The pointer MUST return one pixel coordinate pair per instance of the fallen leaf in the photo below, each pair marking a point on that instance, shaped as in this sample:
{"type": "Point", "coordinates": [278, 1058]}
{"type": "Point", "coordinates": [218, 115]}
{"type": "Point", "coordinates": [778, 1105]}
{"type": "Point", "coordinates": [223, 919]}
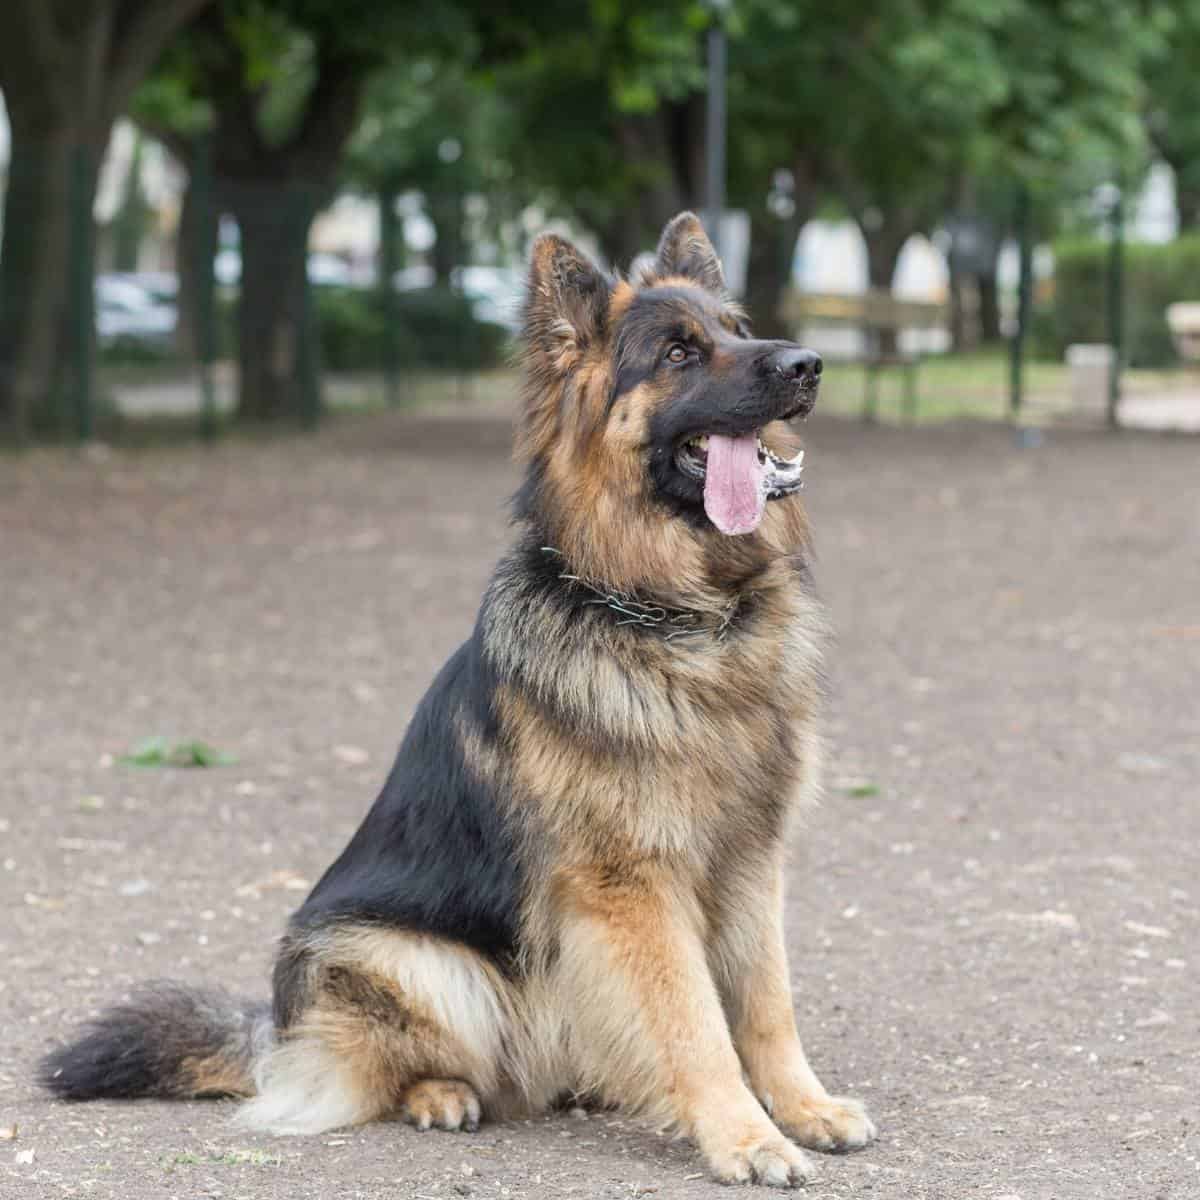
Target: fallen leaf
{"type": "Point", "coordinates": [1142, 764]}
{"type": "Point", "coordinates": [1156, 931]}
{"type": "Point", "coordinates": [1048, 916]}
{"type": "Point", "coordinates": [158, 752]}
{"type": "Point", "coordinates": [288, 880]}
{"type": "Point", "coordinates": [1156, 1017]}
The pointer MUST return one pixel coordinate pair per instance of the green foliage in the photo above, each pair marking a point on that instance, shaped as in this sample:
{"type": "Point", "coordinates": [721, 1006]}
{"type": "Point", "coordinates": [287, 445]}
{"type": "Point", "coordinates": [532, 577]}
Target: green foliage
{"type": "Point", "coordinates": [160, 752]}
{"type": "Point", "coordinates": [433, 327]}
{"type": "Point", "coordinates": [862, 789]}
{"type": "Point", "coordinates": [1173, 102]}
{"type": "Point", "coordinates": [1155, 276]}
{"type": "Point", "coordinates": [890, 101]}
{"type": "Point", "coordinates": [604, 109]}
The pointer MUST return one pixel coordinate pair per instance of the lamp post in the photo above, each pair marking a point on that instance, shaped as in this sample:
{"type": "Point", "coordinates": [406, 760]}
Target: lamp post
{"type": "Point", "coordinates": [714, 124]}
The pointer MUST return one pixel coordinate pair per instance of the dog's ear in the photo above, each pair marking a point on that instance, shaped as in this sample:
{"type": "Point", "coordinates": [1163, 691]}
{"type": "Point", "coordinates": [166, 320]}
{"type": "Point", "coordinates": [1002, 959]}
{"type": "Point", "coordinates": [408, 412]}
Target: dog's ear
{"type": "Point", "coordinates": [566, 304]}
{"type": "Point", "coordinates": [684, 249]}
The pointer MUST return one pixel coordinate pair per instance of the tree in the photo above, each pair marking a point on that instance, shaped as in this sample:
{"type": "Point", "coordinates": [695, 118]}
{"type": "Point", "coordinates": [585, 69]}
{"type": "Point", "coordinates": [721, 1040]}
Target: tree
{"type": "Point", "coordinates": [607, 105]}
{"type": "Point", "coordinates": [1066, 121]}
{"type": "Point", "coordinates": [67, 69]}
{"type": "Point", "coordinates": [1172, 107]}
{"type": "Point", "coordinates": [282, 82]}
{"type": "Point", "coordinates": [275, 161]}
{"type": "Point", "coordinates": [899, 108]}
{"type": "Point", "coordinates": [132, 215]}
{"type": "Point", "coordinates": [170, 108]}
{"type": "Point", "coordinates": [430, 125]}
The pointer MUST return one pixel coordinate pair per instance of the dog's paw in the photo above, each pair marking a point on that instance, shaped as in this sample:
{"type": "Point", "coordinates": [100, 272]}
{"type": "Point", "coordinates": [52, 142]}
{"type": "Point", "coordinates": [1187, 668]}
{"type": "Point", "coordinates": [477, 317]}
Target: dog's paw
{"type": "Point", "coordinates": [446, 1103]}
{"type": "Point", "coordinates": [835, 1123]}
{"type": "Point", "coordinates": [768, 1159]}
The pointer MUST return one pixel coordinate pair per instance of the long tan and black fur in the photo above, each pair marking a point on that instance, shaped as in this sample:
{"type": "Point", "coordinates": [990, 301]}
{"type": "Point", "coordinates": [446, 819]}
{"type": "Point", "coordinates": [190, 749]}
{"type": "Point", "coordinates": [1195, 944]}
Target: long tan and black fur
{"type": "Point", "coordinates": [572, 880]}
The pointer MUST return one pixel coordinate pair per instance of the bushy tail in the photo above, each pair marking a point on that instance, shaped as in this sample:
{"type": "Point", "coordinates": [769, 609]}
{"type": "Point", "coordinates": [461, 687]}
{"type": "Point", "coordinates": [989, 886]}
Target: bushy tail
{"type": "Point", "coordinates": [167, 1041]}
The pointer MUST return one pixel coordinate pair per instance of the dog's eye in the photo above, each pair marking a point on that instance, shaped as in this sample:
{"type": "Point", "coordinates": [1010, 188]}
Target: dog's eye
{"type": "Point", "coordinates": [677, 353]}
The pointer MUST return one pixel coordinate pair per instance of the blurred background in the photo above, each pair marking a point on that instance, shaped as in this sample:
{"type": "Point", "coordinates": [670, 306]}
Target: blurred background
{"type": "Point", "coordinates": [252, 211]}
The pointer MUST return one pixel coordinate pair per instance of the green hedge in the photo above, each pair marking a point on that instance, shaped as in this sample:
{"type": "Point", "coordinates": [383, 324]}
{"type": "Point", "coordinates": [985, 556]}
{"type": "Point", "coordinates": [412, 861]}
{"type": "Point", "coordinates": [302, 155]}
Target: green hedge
{"type": "Point", "coordinates": [1155, 276]}
{"type": "Point", "coordinates": [433, 327]}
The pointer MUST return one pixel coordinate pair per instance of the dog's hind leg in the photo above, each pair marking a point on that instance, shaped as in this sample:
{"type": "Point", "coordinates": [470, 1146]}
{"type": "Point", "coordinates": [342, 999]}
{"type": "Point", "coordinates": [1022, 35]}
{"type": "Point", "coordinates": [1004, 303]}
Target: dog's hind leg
{"type": "Point", "coordinates": [386, 1023]}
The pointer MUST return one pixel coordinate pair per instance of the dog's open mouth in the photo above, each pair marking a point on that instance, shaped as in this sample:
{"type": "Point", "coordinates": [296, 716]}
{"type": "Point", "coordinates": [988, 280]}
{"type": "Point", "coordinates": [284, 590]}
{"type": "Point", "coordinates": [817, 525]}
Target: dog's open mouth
{"type": "Point", "coordinates": [739, 475]}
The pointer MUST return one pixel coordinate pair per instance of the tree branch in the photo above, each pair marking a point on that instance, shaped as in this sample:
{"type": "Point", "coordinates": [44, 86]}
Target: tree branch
{"type": "Point", "coordinates": [330, 114]}
{"type": "Point", "coordinates": [180, 146]}
{"type": "Point", "coordinates": [142, 29]}
{"type": "Point", "coordinates": [29, 44]}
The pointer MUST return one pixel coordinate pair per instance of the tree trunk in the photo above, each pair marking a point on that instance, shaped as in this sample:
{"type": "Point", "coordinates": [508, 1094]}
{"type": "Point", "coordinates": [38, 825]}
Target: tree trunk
{"type": "Point", "coordinates": [1187, 199]}
{"type": "Point", "coordinates": [989, 308]}
{"type": "Point", "coordinates": [769, 271]}
{"type": "Point", "coordinates": [620, 239]}
{"type": "Point", "coordinates": [129, 224]}
{"type": "Point", "coordinates": [34, 267]}
{"type": "Point", "coordinates": [276, 351]}
{"type": "Point", "coordinates": [884, 245]}
{"type": "Point", "coordinates": [275, 191]}
{"type": "Point", "coordinates": [958, 309]}
{"type": "Point", "coordinates": [64, 84]}
{"type": "Point", "coordinates": [883, 253]}
{"type": "Point", "coordinates": [773, 251]}
{"type": "Point", "coordinates": [445, 212]}
{"type": "Point", "coordinates": [185, 272]}
{"type": "Point", "coordinates": [646, 140]}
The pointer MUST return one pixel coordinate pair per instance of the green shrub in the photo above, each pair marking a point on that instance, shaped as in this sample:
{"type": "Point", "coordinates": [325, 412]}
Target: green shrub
{"type": "Point", "coordinates": [351, 328]}
{"type": "Point", "coordinates": [433, 327]}
{"type": "Point", "coordinates": [1154, 276]}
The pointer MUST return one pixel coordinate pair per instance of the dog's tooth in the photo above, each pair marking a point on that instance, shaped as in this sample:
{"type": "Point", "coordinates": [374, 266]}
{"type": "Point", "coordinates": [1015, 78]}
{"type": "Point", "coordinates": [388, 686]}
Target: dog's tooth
{"type": "Point", "coordinates": [702, 441]}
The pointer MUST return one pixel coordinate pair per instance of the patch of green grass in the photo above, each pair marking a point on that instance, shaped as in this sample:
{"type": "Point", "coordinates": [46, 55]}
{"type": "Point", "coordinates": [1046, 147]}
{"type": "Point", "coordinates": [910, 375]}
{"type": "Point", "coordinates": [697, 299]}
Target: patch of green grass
{"type": "Point", "coordinates": [949, 387]}
{"type": "Point", "coordinates": [160, 752]}
{"type": "Point", "coordinates": [860, 791]}
{"type": "Point", "coordinates": [222, 1158]}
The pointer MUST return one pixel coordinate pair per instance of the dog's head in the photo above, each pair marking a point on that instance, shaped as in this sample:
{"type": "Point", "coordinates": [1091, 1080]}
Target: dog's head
{"type": "Point", "coordinates": [651, 418]}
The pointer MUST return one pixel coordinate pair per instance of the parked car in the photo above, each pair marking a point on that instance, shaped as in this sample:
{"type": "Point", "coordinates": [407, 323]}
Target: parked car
{"type": "Point", "coordinates": [324, 270]}
{"type": "Point", "coordinates": [128, 311]}
{"type": "Point", "coordinates": [495, 294]}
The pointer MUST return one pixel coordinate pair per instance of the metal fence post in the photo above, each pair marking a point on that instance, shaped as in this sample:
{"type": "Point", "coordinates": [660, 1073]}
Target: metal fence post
{"type": "Point", "coordinates": [1024, 292]}
{"type": "Point", "coordinates": [714, 125]}
{"type": "Point", "coordinates": [1116, 303]}
{"type": "Point", "coordinates": [310, 346]}
{"type": "Point", "coordinates": [83, 297]}
{"type": "Point", "coordinates": [203, 249]}
{"type": "Point", "coordinates": [388, 231]}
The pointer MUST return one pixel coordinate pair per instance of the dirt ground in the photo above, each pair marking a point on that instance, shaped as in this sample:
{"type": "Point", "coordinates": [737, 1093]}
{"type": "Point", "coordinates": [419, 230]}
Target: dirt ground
{"type": "Point", "coordinates": [993, 918]}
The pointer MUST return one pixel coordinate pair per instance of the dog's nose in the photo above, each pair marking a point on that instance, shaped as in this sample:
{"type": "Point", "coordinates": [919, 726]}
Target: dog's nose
{"type": "Point", "coordinates": [798, 364]}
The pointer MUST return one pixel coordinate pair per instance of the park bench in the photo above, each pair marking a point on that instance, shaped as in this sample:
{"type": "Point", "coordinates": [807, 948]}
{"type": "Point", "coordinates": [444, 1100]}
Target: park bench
{"type": "Point", "coordinates": [1183, 319]}
{"type": "Point", "coordinates": [881, 317]}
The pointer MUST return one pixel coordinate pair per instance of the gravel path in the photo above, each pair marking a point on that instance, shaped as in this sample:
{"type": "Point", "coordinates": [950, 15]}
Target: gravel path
{"type": "Point", "coordinates": [993, 917]}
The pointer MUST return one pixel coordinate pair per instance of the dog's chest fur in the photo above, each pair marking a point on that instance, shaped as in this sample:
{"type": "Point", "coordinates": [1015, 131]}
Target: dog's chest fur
{"type": "Point", "coordinates": [618, 741]}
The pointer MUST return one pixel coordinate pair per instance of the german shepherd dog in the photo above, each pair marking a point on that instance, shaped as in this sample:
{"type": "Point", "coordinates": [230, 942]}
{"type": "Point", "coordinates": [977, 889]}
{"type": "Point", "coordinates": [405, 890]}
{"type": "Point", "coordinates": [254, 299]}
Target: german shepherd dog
{"type": "Point", "coordinates": [571, 883]}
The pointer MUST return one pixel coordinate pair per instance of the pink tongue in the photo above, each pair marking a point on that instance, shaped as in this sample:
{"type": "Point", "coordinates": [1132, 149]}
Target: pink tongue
{"type": "Point", "coordinates": [733, 495]}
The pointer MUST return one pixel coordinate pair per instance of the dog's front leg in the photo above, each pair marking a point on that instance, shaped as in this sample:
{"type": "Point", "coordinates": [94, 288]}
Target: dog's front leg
{"type": "Point", "coordinates": [764, 1030]}
{"type": "Point", "coordinates": [647, 1025]}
